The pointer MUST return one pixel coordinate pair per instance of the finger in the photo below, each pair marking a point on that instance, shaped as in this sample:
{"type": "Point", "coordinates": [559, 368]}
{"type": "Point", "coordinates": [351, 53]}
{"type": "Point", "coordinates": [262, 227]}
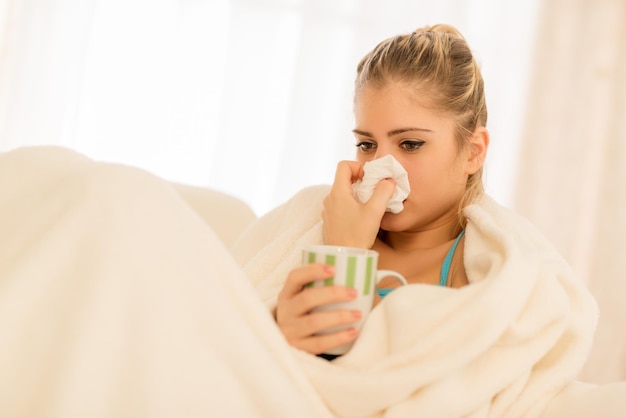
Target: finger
{"type": "Point", "coordinates": [308, 325]}
{"type": "Point", "coordinates": [324, 320]}
{"type": "Point", "coordinates": [319, 344]}
{"type": "Point", "coordinates": [383, 191]}
{"type": "Point", "coordinates": [347, 173]}
{"type": "Point", "coordinates": [305, 274]}
{"type": "Point", "coordinates": [315, 297]}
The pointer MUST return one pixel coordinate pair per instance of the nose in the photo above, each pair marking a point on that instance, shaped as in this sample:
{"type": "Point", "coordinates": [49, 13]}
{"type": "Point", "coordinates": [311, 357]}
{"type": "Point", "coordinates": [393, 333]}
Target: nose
{"type": "Point", "coordinates": [382, 149]}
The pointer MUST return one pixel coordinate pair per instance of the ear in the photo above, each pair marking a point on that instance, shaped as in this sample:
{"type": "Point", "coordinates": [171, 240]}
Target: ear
{"type": "Point", "coordinates": [478, 144]}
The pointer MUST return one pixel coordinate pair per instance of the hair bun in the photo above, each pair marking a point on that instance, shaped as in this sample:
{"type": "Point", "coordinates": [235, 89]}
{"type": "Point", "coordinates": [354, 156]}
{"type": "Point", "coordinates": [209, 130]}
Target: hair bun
{"type": "Point", "coordinates": [439, 28]}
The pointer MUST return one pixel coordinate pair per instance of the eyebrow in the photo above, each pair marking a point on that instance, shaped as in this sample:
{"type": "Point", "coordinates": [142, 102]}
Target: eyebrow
{"type": "Point", "coordinates": [392, 133]}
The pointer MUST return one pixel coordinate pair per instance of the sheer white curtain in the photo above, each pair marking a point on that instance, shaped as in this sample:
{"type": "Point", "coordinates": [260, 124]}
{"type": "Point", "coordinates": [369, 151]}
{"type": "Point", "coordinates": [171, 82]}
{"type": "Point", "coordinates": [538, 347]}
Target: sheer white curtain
{"type": "Point", "coordinates": [252, 97]}
{"type": "Point", "coordinates": [573, 159]}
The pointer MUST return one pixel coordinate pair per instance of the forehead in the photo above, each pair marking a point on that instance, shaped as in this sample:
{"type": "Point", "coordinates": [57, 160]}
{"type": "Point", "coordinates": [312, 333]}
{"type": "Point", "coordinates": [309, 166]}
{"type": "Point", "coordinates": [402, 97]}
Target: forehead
{"type": "Point", "coordinates": [417, 94]}
{"type": "Point", "coordinates": [398, 104]}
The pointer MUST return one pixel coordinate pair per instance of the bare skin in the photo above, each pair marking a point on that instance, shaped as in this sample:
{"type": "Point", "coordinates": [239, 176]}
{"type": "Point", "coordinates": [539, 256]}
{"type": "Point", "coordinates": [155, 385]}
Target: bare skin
{"type": "Point", "coordinates": [415, 241]}
{"type": "Point", "coordinates": [421, 266]}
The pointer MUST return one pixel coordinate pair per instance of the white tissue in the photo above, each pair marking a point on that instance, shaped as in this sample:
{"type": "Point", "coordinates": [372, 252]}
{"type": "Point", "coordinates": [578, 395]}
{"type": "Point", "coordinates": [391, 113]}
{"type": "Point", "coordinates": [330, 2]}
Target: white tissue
{"type": "Point", "coordinates": [377, 170]}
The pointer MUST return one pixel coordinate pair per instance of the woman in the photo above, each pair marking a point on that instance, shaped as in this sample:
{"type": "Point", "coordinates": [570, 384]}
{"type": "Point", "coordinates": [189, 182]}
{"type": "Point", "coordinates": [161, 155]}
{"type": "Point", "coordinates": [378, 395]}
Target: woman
{"type": "Point", "coordinates": [494, 322]}
{"type": "Point", "coordinates": [420, 98]}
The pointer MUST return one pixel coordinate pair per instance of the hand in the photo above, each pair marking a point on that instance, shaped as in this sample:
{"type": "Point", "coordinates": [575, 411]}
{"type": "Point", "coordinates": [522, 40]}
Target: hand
{"type": "Point", "coordinates": [295, 302]}
{"type": "Point", "coordinates": [348, 222]}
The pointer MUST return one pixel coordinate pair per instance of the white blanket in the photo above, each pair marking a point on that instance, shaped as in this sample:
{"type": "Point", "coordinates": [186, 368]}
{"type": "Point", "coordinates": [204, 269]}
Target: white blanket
{"type": "Point", "coordinates": [501, 347]}
{"type": "Point", "coordinates": [117, 300]}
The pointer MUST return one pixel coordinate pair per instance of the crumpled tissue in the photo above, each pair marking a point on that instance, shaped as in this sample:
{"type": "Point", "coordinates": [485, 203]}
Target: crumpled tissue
{"type": "Point", "coordinates": [377, 170]}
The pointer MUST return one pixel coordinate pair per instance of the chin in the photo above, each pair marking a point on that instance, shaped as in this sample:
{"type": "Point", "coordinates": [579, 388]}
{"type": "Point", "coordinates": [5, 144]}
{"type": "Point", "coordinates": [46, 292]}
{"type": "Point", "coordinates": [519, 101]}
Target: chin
{"type": "Point", "coordinates": [391, 221]}
{"type": "Point", "coordinates": [397, 222]}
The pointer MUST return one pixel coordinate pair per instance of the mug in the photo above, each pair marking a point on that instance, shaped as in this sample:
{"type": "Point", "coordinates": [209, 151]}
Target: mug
{"type": "Point", "coordinates": [355, 268]}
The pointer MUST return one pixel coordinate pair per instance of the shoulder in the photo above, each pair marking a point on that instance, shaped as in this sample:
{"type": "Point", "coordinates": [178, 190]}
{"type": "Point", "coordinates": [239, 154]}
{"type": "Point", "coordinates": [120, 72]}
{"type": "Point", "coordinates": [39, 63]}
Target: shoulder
{"type": "Point", "coordinates": [293, 217]}
{"type": "Point", "coordinates": [310, 194]}
{"type": "Point", "coordinates": [497, 229]}
{"type": "Point", "coordinates": [305, 203]}
{"type": "Point", "coordinates": [494, 218]}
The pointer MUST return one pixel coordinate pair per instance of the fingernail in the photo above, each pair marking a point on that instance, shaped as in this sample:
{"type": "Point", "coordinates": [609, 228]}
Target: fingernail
{"type": "Point", "coordinates": [351, 332]}
{"type": "Point", "coordinates": [356, 314]}
{"type": "Point", "coordinates": [329, 270]}
{"type": "Point", "coordinates": [352, 294]}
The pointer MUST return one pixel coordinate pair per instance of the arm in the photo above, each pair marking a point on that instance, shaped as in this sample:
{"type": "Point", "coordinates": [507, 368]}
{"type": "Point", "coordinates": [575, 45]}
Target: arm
{"type": "Point", "coordinates": [345, 222]}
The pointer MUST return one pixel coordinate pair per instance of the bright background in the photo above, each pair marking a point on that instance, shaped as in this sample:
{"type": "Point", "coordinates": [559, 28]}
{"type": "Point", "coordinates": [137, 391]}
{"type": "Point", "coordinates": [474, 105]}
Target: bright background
{"type": "Point", "coordinates": [253, 97]}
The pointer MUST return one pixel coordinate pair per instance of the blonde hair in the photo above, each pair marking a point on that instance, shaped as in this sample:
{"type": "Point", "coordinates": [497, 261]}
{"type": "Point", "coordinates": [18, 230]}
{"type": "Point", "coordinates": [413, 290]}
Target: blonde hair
{"type": "Point", "coordinates": [437, 62]}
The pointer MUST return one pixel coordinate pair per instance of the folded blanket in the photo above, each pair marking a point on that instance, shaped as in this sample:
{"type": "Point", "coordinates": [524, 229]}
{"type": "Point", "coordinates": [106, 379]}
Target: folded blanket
{"type": "Point", "coordinates": [117, 300]}
{"type": "Point", "coordinates": [502, 346]}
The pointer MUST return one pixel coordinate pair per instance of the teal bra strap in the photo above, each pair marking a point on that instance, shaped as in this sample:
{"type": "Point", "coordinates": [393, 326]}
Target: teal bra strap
{"type": "Point", "coordinates": [384, 291]}
{"type": "Point", "coordinates": [445, 268]}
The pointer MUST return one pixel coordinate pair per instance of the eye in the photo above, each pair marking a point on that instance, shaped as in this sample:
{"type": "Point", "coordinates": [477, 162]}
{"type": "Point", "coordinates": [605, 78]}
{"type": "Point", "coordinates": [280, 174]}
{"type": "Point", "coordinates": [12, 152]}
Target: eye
{"type": "Point", "coordinates": [411, 146]}
{"type": "Point", "coordinates": [366, 147]}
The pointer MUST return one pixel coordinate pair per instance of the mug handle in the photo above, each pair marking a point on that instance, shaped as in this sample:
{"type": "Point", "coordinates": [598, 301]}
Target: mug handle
{"type": "Point", "coordinates": [381, 274]}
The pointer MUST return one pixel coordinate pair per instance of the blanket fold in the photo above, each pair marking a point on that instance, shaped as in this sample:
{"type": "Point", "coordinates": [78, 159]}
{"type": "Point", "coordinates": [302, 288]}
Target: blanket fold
{"type": "Point", "coordinates": [117, 300]}
{"type": "Point", "coordinates": [502, 346]}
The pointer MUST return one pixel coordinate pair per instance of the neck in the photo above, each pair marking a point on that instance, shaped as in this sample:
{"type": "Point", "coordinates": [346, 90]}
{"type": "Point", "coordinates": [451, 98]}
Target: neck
{"type": "Point", "coordinates": [432, 237]}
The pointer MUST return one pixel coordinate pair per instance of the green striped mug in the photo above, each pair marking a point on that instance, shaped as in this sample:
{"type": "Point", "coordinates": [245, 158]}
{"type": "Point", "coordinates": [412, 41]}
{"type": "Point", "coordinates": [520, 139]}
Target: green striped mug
{"type": "Point", "coordinates": [355, 268]}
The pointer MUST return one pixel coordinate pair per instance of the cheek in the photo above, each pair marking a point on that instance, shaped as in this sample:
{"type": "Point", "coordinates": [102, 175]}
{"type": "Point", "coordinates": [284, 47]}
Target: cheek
{"type": "Point", "coordinates": [427, 176]}
{"type": "Point", "coordinates": [415, 177]}
{"type": "Point", "coordinates": [363, 158]}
